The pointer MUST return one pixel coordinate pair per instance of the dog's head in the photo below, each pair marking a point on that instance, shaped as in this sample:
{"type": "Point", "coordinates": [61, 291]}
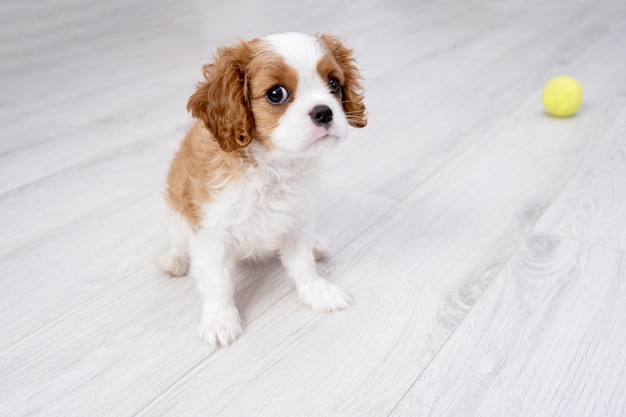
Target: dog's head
{"type": "Point", "coordinates": [295, 94]}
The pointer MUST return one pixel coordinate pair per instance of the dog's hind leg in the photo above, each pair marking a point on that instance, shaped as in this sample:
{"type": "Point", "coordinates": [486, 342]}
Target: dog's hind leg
{"type": "Point", "coordinates": [175, 261]}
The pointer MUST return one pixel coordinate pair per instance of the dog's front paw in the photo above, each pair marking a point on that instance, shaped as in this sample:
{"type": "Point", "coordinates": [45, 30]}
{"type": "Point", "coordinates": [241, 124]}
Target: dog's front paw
{"type": "Point", "coordinates": [323, 296]}
{"type": "Point", "coordinates": [220, 327]}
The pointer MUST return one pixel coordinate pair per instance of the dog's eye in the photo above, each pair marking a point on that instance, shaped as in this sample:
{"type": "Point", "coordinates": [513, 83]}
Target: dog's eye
{"type": "Point", "coordinates": [277, 95]}
{"type": "Point", "coordinates": [334, 85]}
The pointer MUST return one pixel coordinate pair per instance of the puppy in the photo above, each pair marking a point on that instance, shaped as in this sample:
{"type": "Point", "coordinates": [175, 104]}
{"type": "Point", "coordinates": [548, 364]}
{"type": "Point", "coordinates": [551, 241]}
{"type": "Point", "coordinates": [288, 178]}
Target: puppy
{"type": "Point", "coordinates": [240, 185]}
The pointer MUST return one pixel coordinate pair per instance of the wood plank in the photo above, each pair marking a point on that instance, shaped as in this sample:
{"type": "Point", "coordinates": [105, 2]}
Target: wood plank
{"type": "Point", "coordinates": [61, 151]}
{"type": "Point", "coordinates": [43, 206]}
{"type": "Point", "coordinates": [546, 339]}
{"type": "Point", "coordinates": [112, 341]}
{"type": "Point", "coordinates": [62, 269]}
{"type": "Point", "coordinates": [80, 42]}
{"type": "Point", "coordinates": [592, 206]}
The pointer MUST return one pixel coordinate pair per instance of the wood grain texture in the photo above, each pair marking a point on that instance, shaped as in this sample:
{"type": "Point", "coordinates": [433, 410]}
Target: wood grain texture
{"type": "Point", "coordinates": [43, 206]}
{"type": "Point", "coordinates": [592, 207]}
{"type": "Point", "coordinates": [546, 339]}
{"type": "Point", "coordinates": [458, 309]}
{"type": "Point", "coordinates": [147, 118]}
{"type": "Point", "coordinates": [62, 269]}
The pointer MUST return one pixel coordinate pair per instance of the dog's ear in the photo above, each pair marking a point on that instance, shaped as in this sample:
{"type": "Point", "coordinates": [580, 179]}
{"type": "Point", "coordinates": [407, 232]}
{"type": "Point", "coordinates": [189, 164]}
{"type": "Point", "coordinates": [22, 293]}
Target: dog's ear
{"type": "Point", "coordinates": [352, 91]}
{"type": "Point", "coordinates": [222, 100]}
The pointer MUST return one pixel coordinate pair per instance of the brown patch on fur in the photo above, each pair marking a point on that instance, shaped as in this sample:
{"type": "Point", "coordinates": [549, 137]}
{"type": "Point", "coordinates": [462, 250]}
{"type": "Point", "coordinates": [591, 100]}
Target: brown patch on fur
{"type": "Point", "coordinates": [232, 107]}
{"type": "Point", "coordinates": [351, 88]}
{"type": "Point", "coordinates": [221, 101]}
{"type": "Point", "coordinates": [199, 168]}
{"type": "Point", "coordinates": [266, 71]}
{"type": "Point", "coordinates": [328, 68]}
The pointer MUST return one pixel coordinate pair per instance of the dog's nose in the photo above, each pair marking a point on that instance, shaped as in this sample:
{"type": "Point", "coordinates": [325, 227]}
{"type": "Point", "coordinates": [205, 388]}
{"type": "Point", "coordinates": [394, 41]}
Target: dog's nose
{"type": "Point", "coordinates": [321, 115]}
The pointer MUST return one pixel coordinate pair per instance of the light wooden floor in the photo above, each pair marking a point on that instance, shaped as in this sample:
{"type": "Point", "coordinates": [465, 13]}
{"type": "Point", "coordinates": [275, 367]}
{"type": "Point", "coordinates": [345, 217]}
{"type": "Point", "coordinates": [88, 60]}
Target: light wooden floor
{"type": "Point", "coordinates": [484, 242]}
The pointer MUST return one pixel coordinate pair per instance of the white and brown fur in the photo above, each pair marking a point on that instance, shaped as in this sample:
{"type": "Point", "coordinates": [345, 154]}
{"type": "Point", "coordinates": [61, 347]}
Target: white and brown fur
{"type": "Point", "coordinates": [240, 184]}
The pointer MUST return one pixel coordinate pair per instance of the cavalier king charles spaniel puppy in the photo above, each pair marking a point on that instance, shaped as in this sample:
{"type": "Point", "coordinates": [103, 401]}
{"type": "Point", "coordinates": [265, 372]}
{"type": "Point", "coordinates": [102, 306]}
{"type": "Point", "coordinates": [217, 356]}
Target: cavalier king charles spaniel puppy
{"type": "Point", "coordinates": [240, 184]}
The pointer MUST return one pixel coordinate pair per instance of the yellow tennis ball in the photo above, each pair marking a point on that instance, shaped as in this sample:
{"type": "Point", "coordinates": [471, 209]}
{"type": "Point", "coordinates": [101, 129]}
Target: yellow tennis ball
{"type": "Point", "coordinates": [562, 96]}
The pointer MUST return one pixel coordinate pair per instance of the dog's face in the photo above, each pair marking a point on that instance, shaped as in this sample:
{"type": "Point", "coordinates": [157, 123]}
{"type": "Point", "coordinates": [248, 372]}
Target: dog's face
{"type": "Point", "coordinates": [294, 94]}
